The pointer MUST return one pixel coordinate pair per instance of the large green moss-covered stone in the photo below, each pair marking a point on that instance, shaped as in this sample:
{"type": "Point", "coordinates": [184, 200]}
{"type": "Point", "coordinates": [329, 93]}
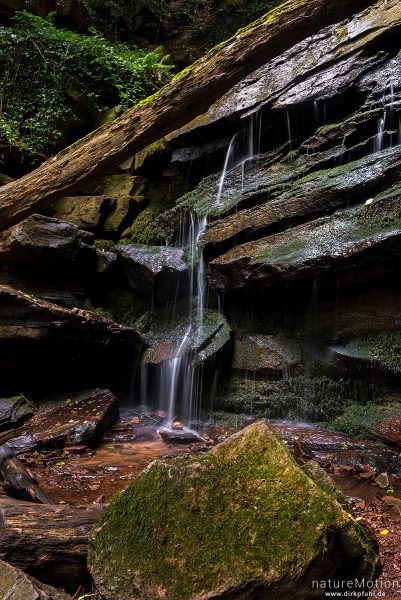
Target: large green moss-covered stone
{"type": "Point", "coordinates": [242, 521]}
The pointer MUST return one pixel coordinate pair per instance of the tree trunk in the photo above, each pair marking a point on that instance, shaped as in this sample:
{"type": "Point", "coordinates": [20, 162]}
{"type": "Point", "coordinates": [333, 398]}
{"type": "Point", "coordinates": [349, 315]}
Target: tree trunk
{"type": "Point", "coordinates": [16, 479]}
{"type": "Point", "coordinates": [187, 96]}
{"type": "Point", "coordinates": [48, 542]}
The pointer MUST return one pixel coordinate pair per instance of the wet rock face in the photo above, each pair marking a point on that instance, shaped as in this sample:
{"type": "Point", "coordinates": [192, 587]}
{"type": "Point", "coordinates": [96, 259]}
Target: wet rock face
{"type": "Point", "coordinates": [201, 503]}
{"type": "Point", "coordinates": [155, 270]}
{"type": "Point", "coordinates": [265, 354]}
{"type": "Point", "coordinates": [16, 585]}
{"type": "Point", "coordinates": [377, 352]}
{"type": "Point", "coordinates": [302, 149]}
{"type": "Point", "coordinates": [80, 418]}
{"type": "Point", "coordinates": [204, 344]}
{"type": "Point", "coordinates": [366, 236]}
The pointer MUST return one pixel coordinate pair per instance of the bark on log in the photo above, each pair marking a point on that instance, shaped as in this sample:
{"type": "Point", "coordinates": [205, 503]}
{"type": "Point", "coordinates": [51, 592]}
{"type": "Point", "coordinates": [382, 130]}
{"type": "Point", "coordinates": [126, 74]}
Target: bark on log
{"type": "Point", "coordinates": [16, 479]}
{"type": "Point", "coordinates": [48, 542]}
{"type": "Point", "coordinates": [187, 96]}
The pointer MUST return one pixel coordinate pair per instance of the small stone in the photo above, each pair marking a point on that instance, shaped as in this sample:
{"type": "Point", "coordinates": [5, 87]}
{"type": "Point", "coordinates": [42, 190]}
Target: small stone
{"type": "Point", "coordinates": [343, 470]}
{"type": "Point", "coordinates": [383, 480]}
{"type": "Point", "coordinates": [391, 501]}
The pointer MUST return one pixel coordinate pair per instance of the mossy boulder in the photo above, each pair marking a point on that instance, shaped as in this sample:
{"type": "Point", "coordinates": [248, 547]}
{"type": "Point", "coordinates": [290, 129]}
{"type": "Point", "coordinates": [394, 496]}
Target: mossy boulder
{"type": "Point", "coordinates": [241, 521]}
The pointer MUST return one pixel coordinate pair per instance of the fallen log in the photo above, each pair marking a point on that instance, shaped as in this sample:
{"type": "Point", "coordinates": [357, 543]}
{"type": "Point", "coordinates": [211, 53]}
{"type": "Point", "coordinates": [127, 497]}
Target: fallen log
{"type": "Point", "coordinates": [187, 96]}
{"type": "Point", "coordinates": [16, 479]}
{"type": "Point", "coordinates": [48, 542]}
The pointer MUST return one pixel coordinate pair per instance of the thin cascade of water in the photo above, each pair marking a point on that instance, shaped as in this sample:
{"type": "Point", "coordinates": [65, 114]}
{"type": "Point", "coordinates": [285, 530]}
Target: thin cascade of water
{"type": "Point", "coordinates": [399, 130]}
{"type": "Point", "coordinates": [381, 125]}
{"type": "Point", "coordinates": [225, 168]}
{"type": "Point", "coordinates": [177, 380]}
{"type": "Point", "coordinates": [253, 142]}
{"type": "Point", "coordinates": [288, 123]}
{"type": "Point", "coordinates": [316, 114]}
{"type": "Point", "coordinates": [386, 119]}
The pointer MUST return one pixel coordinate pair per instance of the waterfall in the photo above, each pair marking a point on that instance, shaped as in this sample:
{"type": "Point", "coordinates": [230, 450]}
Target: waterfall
{"type": "Point", "coordinates": [225, 169]}
{"type": "Point", "coordinates": [387, 118]}
{"type": "Point", "coordinates": [176, 382]}
{"type": "Point", "coordinates": [316, 114]}
{"type": "Point", "coordinates": [288, 123]}
{"type": "Point", "coordinates": [252, 135]}
{"type": "Point", "coordinates": [381, 124]}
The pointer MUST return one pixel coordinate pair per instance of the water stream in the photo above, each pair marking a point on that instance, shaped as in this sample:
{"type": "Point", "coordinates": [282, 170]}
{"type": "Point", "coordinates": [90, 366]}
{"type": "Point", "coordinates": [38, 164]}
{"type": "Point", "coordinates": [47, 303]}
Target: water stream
{"type": "Point", "coordinates": [386, 121]}
{"type": "Point", "coordinates": [177, 382]}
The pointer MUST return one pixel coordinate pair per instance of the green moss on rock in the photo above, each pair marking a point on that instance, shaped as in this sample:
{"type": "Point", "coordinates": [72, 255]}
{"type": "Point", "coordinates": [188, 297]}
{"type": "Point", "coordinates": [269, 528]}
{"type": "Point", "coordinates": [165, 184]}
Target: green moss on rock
{"type": "Point", "coordinates": [317, 399]}
{"type": "Point", "coordinates": [192, 526]}
{"type": "Point", "coordinates": [148, 227]}
{"type": "Point", "coordinates": [382, 348]}
{"type": "Point", "coordinates": [362, 420]}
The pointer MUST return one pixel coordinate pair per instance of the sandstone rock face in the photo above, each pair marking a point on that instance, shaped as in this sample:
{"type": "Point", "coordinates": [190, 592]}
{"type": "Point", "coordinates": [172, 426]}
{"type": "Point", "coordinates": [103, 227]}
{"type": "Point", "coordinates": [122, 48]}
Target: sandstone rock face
{"type": "Point", "coordinates": [155, 270]}
{"type": "Point", "coordinates": [15, 585]}
{"type": "Point", "coordinates": [265, 354]}
{"type": "Point", "coordinates": [337, 242]}
{"type": "Point", "coordinates": [43, 242]}
{"type": "Point", "coordinates": [215, 527]}
{"type": "Point", "coordinates": [295, 157]}
{"type": "Point", "coordinates": [377, 352]}
{"type": "Point", "coordinates": [86, 212]}
{"type": "Point", "coordinates": [203, 345]}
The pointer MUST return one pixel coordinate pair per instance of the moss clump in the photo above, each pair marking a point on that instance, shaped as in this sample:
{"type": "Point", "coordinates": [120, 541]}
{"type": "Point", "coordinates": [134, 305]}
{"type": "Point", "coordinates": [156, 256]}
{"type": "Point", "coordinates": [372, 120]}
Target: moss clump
{"type": "Point", "coordinates": [233, 517]}
{"type": "Point", "coordinates": [382, 348]}
{"type": "Point", "coordinates": [286, 253]}
{"type": "Point", "coordinates": [383, 214]}
{"type": "Point", "coordinates": [361, 420]}
{"type": "Point", "coordinates": [148, 228]}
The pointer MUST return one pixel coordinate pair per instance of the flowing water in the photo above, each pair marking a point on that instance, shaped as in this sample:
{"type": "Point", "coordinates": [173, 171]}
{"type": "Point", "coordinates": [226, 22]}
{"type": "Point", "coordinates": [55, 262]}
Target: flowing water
{"type": "Point", "coordinates": [177, 382]}
{"type": "Point", "coordinates": [387, 120]}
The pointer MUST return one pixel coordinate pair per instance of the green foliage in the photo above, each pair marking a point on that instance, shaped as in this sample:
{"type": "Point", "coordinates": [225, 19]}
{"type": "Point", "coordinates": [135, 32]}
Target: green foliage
{"type": "Point", "coordinates": [53, 80]}
{"type": "Point", "coordinates": [208, 23]}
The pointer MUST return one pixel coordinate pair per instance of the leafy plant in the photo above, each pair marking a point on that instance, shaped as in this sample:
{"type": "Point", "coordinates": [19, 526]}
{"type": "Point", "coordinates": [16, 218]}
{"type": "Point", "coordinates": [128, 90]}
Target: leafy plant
{"type": "Point", "coordinates": [55, 83]}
